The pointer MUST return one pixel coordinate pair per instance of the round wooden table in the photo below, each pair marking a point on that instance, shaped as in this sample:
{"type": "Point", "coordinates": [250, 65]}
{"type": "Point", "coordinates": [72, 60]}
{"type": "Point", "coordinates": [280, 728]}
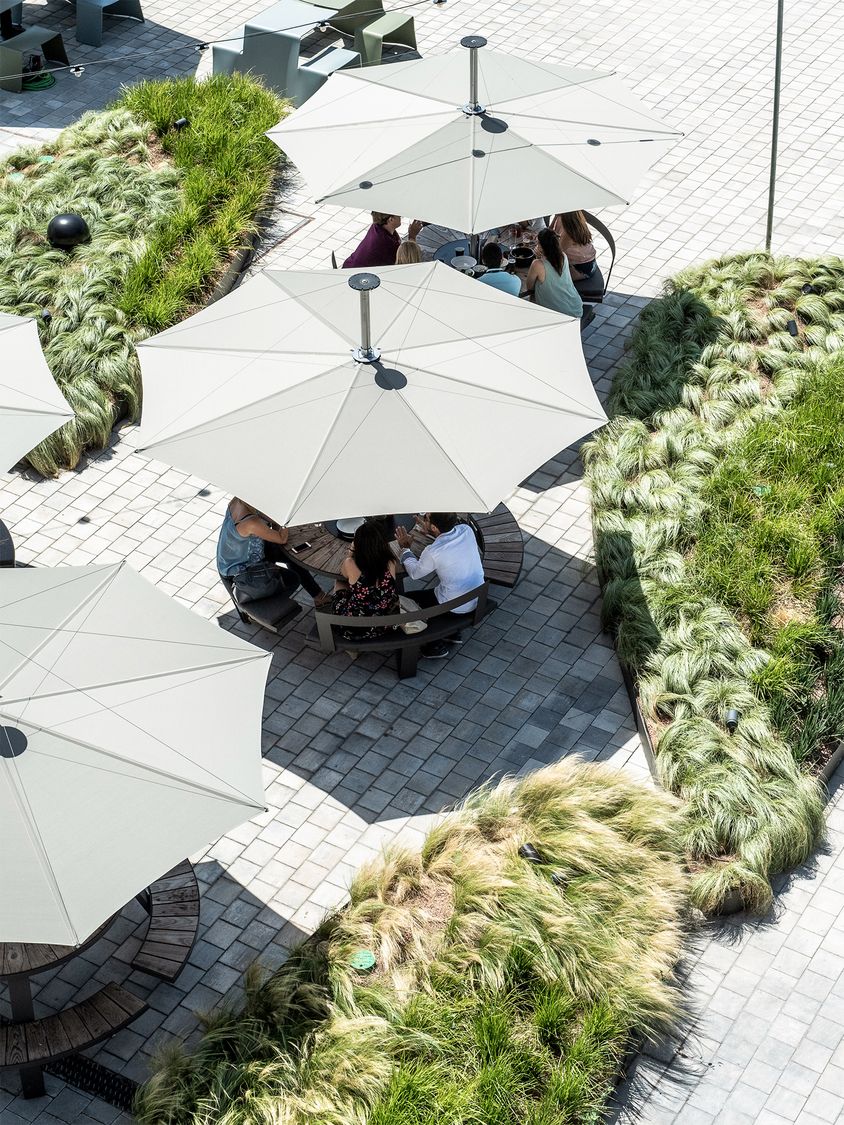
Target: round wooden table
{"type": "Point", "coordinates": [328, 550]}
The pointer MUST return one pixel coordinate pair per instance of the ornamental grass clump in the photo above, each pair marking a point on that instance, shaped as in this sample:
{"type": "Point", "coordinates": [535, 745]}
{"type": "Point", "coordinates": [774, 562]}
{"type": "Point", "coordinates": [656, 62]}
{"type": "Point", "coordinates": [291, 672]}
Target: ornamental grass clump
{"type": "Point", "coordinates": [498, 995]}
{"type": "Point", "coordinates": [717, 511]}
{"type": "Point", "coordinates": [166, 210]}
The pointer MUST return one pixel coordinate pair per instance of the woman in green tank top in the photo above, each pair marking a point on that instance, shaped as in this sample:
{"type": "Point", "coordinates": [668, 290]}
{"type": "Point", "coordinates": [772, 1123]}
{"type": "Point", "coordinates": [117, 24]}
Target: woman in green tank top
{"type": "Point", "coordinates": [549, 278]}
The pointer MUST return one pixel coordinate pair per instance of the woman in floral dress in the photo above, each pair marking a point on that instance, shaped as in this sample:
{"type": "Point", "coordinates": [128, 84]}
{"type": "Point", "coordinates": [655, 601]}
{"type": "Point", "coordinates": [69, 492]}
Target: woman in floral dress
{"type": "Point", "coordinates": [367, 586]}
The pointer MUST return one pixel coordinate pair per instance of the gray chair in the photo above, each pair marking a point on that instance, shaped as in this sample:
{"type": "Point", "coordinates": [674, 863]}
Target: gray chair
{"type": "Point", "coordinates": [315, 72]}
{"type": "Point", "coordinates": [270, 44]}
{"type": "Point", "coordinates": [89, 17]}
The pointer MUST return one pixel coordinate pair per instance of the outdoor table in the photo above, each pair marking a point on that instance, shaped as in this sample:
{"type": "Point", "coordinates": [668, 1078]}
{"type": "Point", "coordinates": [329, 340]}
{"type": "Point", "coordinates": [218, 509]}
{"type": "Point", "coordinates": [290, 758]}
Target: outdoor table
{"type": "Point", "coordinates": [328, 550]}
{"type": "Point", "coordinates": [449, 250]}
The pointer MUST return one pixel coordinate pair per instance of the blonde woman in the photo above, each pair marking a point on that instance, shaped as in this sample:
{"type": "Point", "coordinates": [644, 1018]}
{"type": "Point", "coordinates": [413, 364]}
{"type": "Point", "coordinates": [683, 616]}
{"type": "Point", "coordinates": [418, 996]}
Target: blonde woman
{"type": "Point", "coordinates": [408, 254]}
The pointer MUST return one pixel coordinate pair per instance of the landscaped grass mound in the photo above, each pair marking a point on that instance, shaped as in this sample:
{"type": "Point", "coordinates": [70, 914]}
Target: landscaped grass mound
{"type": "Point", "coordinates": [498, 995]}
{"type": "Point", "coordinates": [717, 508]}
{"type": "Point", "coordinates": [166, 208]}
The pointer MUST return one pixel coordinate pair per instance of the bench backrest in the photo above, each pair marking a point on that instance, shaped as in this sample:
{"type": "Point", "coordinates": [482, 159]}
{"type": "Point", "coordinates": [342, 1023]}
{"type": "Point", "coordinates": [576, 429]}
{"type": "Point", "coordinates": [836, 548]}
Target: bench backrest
{"type": "Point", "coordinates": [602, 228]}
{"type": "Point", "coordinates": [326, 621]}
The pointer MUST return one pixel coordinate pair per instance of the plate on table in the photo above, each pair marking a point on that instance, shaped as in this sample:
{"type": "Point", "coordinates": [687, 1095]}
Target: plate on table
{"type": "Point", "coordinates": [346, 528]}
{"type": "Point", "coordinates": [522, 254]}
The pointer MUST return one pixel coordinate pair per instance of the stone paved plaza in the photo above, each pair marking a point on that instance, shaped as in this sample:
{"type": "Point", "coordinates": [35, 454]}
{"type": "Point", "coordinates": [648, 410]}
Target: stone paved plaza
{"type": "Point", "coordinates": [355, 758]}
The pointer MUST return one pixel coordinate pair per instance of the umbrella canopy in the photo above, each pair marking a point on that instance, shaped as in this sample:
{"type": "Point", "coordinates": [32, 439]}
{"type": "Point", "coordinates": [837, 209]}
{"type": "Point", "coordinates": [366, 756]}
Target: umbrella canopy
{"type": "Point", "coordinates": [31, 405]}
{"type": "Point", "coordinates": [467, 390]}
{"type": "Point", "coordinates": [473, 140]}
{"type": "Point", "coordinates": [129, 738]}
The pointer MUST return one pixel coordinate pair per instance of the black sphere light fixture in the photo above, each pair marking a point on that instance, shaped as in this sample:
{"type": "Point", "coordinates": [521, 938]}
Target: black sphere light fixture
{"type": "Point", "coordinates": [66, 231]}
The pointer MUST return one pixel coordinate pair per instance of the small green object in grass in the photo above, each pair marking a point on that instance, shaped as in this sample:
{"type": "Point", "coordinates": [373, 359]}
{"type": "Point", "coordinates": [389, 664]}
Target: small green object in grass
{"type": "Point", "coordinates": [46, 159]}
{"type": "Point", "coordinates": [16, 176]}
{"type": "Point", "coordinates": [762, 489]}
{"type": "Point", "coordinates": [363, 961]}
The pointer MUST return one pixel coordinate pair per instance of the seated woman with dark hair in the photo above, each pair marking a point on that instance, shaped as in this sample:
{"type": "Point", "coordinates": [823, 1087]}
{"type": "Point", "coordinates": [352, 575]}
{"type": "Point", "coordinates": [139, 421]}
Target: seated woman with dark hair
{"type": "Point", "coordinates": [367, 586]}
{"type": "Point", "coordinates": [549, 279]}
{"type": "Point", "coordinates": [576, 243]}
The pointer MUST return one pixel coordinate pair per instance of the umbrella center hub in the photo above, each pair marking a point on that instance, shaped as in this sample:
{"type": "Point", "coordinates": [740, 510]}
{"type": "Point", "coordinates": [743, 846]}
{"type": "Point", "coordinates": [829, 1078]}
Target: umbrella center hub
{"type": "Point", "coordinates": [13, 742]}
{"type": "Point", "coordinates": [474, 110]}
{"type": "Point", "coordinates": [366, 355]}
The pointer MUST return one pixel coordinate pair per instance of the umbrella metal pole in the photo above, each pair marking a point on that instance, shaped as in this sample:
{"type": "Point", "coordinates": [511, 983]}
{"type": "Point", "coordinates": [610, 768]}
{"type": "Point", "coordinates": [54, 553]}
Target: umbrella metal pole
{"type": "Point", "coordinates": [772, 186]}
{"type": "Point", "coordinates": [363, 284]}
{"type": "Point", "coordinates": [474, 43]}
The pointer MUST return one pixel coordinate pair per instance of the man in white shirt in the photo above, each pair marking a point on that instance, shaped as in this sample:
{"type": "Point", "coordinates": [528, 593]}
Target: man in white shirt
{"type": "Point", "coordinates": [454, 558]}
{"type": "Point", "coordinates": [495, 276]}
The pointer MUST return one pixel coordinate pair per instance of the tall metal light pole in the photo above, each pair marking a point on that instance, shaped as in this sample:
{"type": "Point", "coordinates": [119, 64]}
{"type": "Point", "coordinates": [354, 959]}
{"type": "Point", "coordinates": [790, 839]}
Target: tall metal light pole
{"type": "Point", "coordinates": [775, 126]}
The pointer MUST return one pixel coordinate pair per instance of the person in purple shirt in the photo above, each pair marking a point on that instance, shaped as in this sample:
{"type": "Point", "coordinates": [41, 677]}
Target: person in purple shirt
{"type": "Point", "coordinates": [380, 242]}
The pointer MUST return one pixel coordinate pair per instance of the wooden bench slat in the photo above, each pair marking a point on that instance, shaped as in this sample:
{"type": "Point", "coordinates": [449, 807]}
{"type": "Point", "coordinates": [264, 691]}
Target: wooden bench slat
{"type": "Point", "coordinates": [166, 950]}
{"type": "Point", "coordinates": [182, 894]}
{"type": "Point", "coordinates": [162, 936]}
{"type": "Point", "coordinates": [37, 1045]}
{"type": "Point", "coordinates": [170, 883]}
{"type": "Point", "coordinates": [106, 1004]}
{"type": "Point", "coordinates": [58, 1041]}
{"type": "Point", "coordinates": [158, 966]}
{"type": "Point", "coordinates": [170, 921]}
{"type": "Point", "coordinates": [73, 1027]}
{"type": "Point", "coordinates": [15, 1053]}
{"type": "Point", "coordinates": [183, 909]}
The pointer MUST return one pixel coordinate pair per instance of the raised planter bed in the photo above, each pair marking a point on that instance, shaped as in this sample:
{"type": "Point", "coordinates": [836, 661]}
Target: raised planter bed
{"type": "Point", "coordinates": [717, 369]}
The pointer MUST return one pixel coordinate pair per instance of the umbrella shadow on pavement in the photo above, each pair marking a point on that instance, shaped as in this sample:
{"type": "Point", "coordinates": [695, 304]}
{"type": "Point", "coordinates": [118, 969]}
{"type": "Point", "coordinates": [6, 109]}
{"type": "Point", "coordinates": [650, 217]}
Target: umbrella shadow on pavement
{"type": "Point", "coordinates": [349, 744]}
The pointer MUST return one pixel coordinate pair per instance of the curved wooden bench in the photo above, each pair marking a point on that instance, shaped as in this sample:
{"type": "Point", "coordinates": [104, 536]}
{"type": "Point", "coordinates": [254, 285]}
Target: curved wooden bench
{"type": "Point", "coordinates": [502, 547]}
{"type": "Point", "coordinates": [173, 905]}
{"type": "Point", "coordinates": [441, 625]}
{"type": "Point", "coordinates": [28, 1046]}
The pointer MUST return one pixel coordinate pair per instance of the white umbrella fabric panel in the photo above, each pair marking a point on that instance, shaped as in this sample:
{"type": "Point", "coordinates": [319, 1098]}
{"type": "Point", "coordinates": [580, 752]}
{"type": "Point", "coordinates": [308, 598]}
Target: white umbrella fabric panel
{"type": "Point", "coordinates": [260, 393]}
{"type": "Point", "coordinates": [129, 738]}
{"type": "Point", "coordinates": [396, 138]}
{"type": "Point", "coordinates": [31, 405]}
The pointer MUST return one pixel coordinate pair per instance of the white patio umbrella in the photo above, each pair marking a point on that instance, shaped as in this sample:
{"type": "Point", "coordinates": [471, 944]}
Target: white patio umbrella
{"type": "Point", "coordinates": [31, 405]}
{"type": "Point", "coordinates": [473, 141]}
{"type": "Point", "coordinates": [458, 393]}
{"type": "Point", "coordinates": [129, 738]}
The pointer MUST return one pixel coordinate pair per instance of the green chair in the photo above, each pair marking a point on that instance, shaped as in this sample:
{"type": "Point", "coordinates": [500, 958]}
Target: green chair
{"type": "Point", "coordinates": [392, 27]}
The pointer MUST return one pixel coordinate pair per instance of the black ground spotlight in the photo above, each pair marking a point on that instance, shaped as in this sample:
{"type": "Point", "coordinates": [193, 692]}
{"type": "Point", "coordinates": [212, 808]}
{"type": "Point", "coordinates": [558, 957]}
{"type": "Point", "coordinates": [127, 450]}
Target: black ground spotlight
{"type": "Point", "coordinates": [732, 720]}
